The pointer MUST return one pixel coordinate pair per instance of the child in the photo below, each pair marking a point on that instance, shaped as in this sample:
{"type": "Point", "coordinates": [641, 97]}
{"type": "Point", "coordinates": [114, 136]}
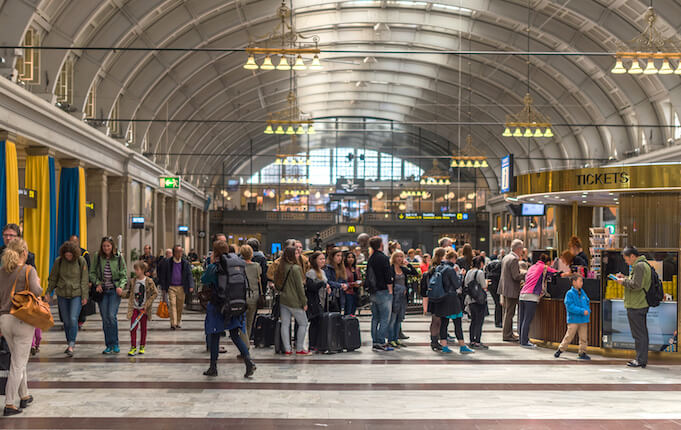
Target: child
{"type": "Point", "coordinates": [577, 306]}
{"type": "Point", "coordinates": [141, 294]}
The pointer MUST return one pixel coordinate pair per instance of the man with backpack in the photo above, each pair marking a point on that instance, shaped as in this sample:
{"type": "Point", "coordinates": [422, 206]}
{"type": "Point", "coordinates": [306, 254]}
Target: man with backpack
{"type": "Point", "coordinates": [493, 275]}
{"type": "Point", "coordinates": [636, 288]}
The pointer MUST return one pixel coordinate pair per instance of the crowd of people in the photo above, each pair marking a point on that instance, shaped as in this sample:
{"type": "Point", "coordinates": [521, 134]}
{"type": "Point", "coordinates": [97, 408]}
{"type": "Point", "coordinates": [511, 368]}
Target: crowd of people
{"type": "Point", "coordinates": [453, 284]}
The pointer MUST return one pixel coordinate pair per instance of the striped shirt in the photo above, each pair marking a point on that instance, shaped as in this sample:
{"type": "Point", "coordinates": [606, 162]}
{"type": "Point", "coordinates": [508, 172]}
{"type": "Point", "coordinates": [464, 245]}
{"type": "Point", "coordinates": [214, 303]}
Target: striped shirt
{"type": "Point", "coordinates": [108, 277]}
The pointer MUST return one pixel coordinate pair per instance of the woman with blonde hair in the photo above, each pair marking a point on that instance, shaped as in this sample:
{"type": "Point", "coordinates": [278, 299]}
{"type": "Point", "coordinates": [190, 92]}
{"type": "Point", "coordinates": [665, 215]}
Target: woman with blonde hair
{"type": "Point", "coordinates": [16, 275]}
{"type": "Point", "coordinates": [401, 270]}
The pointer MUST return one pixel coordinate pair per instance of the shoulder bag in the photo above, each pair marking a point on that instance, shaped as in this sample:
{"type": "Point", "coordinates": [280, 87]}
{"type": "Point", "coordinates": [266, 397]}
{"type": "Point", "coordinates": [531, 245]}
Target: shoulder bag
{"type": "Point", "coordinates": [29, 308]}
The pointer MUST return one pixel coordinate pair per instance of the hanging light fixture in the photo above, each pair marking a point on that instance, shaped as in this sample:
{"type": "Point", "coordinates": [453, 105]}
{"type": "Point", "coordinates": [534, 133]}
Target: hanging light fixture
{"type": "Point", "coordinates": [469, 156]}
{"type": "Point", "coordinates": [300, 130]}
{"type": "Point", "coordinates": [280, 130]}
{"type": "Point", "coordinates": [289, 121]}
{"type": "Point", "coordinates": [529, 119]}
{"type": "Point", "coordinates": [648, 46]}
{"type": "Point", "coordinates": [435, 176]}
{"type": "Point", "coordinates": [507, 132]}
{"type": "Point", "coordinates": [289, 42]}
{"type": "Point", "coordinates": [268, 129]}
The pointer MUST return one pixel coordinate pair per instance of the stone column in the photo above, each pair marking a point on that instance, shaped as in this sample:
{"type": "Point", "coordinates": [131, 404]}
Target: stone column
{"type": "Point", "coordinates": [96, 185]}
{"type": "Point", "coordinates": [118, 211]}
{"type": "Point", "coordinates": [160, 222]}
{"type": "Point", "coordinates": [171, 221]}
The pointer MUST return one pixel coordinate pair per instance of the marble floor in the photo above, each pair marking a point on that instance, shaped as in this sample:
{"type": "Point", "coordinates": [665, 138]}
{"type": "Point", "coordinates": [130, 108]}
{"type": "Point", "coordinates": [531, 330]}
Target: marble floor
{"type": "Point", "coordinates": [506, 387]}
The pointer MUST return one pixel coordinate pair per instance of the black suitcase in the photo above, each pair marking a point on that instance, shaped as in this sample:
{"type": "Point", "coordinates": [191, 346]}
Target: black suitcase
{"type": "Point", "coordinates": [5, 360]}
{"type": "Point", "coordinates": [263, 332]}
{"type": "Point", "coordinates": [330, 333]}
{"type": "Point", "coordinates": [352, 339]}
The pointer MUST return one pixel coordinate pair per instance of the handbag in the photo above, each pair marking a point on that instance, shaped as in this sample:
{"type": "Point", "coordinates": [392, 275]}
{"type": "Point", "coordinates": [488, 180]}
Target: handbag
{"type": "Point", "coordinates": [29, 308]}
{"type": "Point", "coordinates": [162, 310]}
{"type": "Point", "coordinates": [276, 306]}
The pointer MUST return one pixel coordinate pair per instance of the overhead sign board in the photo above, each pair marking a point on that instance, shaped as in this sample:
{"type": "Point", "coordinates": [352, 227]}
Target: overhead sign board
{"type": "Point", "coordinates": [506, 177]}
{"type": "Point", "coordinates": [447, 216]}
{"type": "Point", "coordinates": [137, 222]}
{"type": "Point", "coordinates": [170, 182]}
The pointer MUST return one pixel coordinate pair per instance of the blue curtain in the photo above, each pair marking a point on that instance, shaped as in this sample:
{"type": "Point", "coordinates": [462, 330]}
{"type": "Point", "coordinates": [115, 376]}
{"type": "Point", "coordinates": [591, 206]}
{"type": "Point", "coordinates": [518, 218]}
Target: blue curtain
{"type": "Point", "coordinates": [54, 246]}
{"type": "Point", "coordinates": [69, 214]}
{"type": "Point", "coordinates": [3, 190]}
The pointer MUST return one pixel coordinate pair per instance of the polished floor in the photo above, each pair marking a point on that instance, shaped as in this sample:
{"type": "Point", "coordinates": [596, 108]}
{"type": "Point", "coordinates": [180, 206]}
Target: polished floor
{"type": "Point", "coordinates": [506, 387]}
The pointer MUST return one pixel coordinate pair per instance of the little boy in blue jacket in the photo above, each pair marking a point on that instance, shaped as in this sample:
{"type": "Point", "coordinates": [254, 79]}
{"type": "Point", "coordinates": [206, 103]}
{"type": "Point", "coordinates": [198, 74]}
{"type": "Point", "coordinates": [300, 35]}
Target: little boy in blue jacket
{"type": "Point", "coordinates": [577, 306]}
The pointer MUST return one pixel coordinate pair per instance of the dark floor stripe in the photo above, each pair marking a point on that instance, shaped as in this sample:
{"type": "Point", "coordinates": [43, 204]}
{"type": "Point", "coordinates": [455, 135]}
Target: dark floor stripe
{"type": "Point", "coordinates": [454, 360]}
{"type": "Point", "coordinates": [304, 386]}
{"type": "Point", "coordinates": [298, 424]}
{"type": "Point", "coordinates": [200, 342]}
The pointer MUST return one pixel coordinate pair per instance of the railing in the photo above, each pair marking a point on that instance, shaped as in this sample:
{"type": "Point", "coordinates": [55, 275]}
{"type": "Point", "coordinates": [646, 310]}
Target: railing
{"type": "Point", "coordinates": [327, 217]}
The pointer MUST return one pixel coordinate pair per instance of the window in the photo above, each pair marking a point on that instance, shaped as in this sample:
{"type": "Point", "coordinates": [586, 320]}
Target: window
{"type": "Point", "coordinates": [344, 162]}
{"type": "Point", "coordinates": [64, 90]}
{"type": "Point", "coordinates": [114, 127]}
{"type": "Point", "coordinates": [411, 169]}
{"type": "Point", "coordinates": [320, 167]}
{"type": "Point", "coordinates": [90, 109]}
{"type": "Point", "coordinates": [28, 65]}
{"type": "Point", "coordinates": [391, 167]}
{"type": "Point", "coordinates": [368, 167]}
{"type": "Point", "coordinates": [677, 127]}
{"type": "Point", "coordinates": [130, 134]}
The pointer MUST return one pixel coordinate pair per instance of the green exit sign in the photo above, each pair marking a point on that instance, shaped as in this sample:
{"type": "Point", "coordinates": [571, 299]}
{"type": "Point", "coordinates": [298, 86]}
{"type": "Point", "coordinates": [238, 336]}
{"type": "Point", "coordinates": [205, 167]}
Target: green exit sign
{"type": "Point", "coordinates": [170, 182]}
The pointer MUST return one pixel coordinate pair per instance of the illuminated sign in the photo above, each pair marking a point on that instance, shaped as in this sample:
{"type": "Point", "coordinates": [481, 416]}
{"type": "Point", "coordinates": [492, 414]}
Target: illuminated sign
{"type": "Point", "coordinates": [456, 216]}
{"type": "Point", "coordinates": [352, 229]}
{"type": "Point", "coordinates": [183, 230]}
{"type": "Point", "coordinates": [506, 174]}
{"type": "Point", "coordinates": [170, 182]}
{"type": "Point", "coordinates": [28, 198]}
{"type": "Point", "coordinates": [137, 222]}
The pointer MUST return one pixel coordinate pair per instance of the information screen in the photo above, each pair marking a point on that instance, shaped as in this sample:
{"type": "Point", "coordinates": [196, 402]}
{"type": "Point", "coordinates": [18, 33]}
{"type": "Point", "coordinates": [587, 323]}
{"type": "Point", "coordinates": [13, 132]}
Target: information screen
{"type": "Point", "coordinates": [533, 209]}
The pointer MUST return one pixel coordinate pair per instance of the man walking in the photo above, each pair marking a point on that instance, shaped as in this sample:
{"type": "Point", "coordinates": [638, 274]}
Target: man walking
{"type": "Point", "coordinates": [177, 281]}
{"type": "Point", "coordinates": [381, 290]}
{"type": "Point", "coordinates": [509, 287]}
{"type": "Point", "coordinates": [635, 287]}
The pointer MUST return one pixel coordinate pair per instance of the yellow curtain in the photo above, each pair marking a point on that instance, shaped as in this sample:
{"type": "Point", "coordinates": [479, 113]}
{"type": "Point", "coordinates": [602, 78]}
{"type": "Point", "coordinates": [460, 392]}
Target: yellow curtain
{"type": "Point", "coordinates": [37, 220]}
{"type": "Point", "coordinates": [12, 176]}
{"type": "Point", "coordinates": [82, 213]}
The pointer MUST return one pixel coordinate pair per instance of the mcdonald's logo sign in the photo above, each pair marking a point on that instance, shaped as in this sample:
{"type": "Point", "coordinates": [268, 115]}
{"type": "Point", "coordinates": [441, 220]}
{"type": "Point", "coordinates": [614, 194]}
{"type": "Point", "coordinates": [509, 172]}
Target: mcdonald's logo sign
{"type": "Point", "coordinates": [352, 229]}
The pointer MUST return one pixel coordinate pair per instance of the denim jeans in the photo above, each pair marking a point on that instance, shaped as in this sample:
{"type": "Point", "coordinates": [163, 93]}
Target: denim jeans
{"type": "Point", "coordinates": [108, 308]}
{"type": "Point", "coordinates": [70, 310]}
{"type": "Point", "coordinates": [350, 305]}
{"type": "Point", "coordinates": [301, 319]}
{"type": "Point", "coordinates": [381, 308]}
{"type": "Point", "coordinates": [214, 344]}
{"type": "Point", "coordinates": [399, 310]}
{"type": "Point", "coordinates": [526, 311]}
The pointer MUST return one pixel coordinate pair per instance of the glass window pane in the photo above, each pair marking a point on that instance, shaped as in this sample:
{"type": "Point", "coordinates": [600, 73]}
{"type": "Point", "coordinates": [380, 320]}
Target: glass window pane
{"type": "Point", "coordinates": [320, 167]}
{"type": "Point", "coordinates": [367, 168]}
{"type": "Point", "coordinates": [344, 163]}
{"type": "Point", "coordinates": [411, 169]}
{"type": "Point", "coordinates": [391, 167]}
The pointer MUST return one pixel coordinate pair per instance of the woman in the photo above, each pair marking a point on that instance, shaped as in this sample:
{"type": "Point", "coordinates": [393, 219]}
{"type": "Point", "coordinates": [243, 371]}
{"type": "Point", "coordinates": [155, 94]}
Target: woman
{"type": "Point", "coordinates": [288, 280]}
{"type": "Point", "coordinates": [215, 323]}
{"type": "Point", "coordinates": [449, 307]}
{"type": "Point", "coordinates": [254, 275]}
{"type": "Point", "coordinates": [316, 290]}
{"type": "Point", "coordinates": [563, 263]}
{"type": "Point", "coordinates": [336, 276]}
{"type": "Point", "coordinates": [109, 276]}
{"type": "Point", "coordinates": [476, 310]}
{"type": "Point", "coordinates": [465, 262]}
{"type": "Point", "coordinates": [411, 254]}
{"type": "Point", "coordinates": [401, 270]}
{"type": "Point", "coordinates": [69, 277]}
{"type": "Point", "coordinates": [533, 290]}
{"type": "Point", "coordinates": [575, 247]}
{"type": "Point", "coordinates": [425, 265]}
{"type": "Point", "coordinates": [354, 281]}
{"type": "Point", "coordinates": [13, 277]}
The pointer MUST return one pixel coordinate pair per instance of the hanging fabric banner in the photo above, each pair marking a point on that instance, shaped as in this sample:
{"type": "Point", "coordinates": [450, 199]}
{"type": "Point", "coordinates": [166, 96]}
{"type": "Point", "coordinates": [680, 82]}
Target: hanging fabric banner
{"type": "Point", "coordinates": [82, 202]}
{"type": "Point", "coordinates": [9, 185]}
{"type": "Point", "coordinates": [68, 222]}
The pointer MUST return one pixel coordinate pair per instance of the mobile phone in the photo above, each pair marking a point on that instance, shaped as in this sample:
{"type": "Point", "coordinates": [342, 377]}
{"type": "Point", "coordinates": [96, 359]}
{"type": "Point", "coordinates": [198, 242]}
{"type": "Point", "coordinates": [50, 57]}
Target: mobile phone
{"type": "Point", "coordinates": [613, 277]}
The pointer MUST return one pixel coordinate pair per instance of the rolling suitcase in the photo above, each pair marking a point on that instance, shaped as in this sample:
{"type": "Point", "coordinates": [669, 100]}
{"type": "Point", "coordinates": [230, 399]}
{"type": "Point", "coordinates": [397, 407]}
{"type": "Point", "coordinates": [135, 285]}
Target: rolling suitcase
{"type": "Point", "coordinates": [352, 339]}
{"type": "Point", "coordinates": [5, 360]}
{"type": "Point", "coordinates": [330, 337]}
{"type": "Point", "coordinates": [263, 333]}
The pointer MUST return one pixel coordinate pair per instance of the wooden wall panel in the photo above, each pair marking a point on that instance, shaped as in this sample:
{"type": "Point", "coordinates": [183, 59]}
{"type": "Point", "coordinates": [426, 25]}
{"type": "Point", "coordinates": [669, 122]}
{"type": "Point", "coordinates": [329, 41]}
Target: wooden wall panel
{"type": "Point", "coordinates": [550, 322]}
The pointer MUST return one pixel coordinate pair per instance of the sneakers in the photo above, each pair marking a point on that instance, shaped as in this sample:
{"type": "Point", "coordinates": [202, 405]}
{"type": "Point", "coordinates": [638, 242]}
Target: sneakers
{"type": "Point", "coordinates": [303, 352]}
{"type": "Point", "coordinates": [463, 349]}
{"type": "Point", "coordinates": [557, 353]}
{"type": "Point", "coordinates": [288, 353]}
{"type": "Point", "coordinates": [403, 336]}
{"type": "Point", "coordinates": [108, 351]}
{"type": "Point", "coordinates": [452, 340]}
{"type": "Point", "coordinates": [446, 350]}
{"type": "Point", "coordinates": [394, 344]}
{"type": "Point", "coordinates": [529, 345]}
{"type": "Point", "coordinates": [635, 363]}
{"type": "Point", "coordinates": [401, 344]}
{"type": "Point", "coordinates": [583, 356]}
{"type": "Point", "coordinates": [478, 345]}
{"type": "Point", "coordinates": [69, 352]}
{"type": "Point", "coordinates": [378, 347]}
{"type": "Point", "coordinates": [141, 350]}
{"type": "Point", "coordinates": [116, 349]}
{"type": "Point", "coordinates": [388, 348]}
{"type": "Point", "coordinates": [132, 352]}
{"type": "Point", "coordinates": [34, 350]}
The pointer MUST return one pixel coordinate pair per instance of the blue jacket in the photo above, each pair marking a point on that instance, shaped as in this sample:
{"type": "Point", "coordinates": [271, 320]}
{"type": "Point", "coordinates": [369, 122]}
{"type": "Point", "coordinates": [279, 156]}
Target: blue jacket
{"type": "Point", "coordinates": [576, 302]}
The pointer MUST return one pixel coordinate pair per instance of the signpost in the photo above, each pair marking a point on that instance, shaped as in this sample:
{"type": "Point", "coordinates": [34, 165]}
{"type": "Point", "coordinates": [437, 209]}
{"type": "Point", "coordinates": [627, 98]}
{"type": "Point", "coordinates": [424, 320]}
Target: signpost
{"type": "Point", "coordinates": [170, 182]}
{"type": "Point", "coordinates": [507, 174]}
{"type": "Point", "coordinates": [455, 216]}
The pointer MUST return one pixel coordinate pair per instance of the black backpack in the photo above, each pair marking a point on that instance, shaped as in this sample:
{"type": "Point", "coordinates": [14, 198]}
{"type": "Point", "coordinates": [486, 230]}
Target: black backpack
{"type": "Point", "coordinates": [232, 286]}
{"type": "Point", "coordinates": [476, 291]}
{"type": "Point", "coordinates": [655, 293]}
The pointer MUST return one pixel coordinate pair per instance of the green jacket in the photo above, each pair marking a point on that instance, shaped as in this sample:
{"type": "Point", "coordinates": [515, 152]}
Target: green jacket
{"type": "Point", "coordinates": [292, 293]}
{"type": "Point", "coordinates": [69, 278]}
{"type": "Point", "coordinates": [118, 270]}
{"type": "Point", "coordinates": [636, 285]}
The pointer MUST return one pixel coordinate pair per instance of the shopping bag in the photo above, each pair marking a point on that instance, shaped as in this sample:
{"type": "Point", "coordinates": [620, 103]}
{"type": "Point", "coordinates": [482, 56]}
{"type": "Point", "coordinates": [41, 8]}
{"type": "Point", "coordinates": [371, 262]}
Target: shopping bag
{"type": "Point", "coordinates": [162, 311]}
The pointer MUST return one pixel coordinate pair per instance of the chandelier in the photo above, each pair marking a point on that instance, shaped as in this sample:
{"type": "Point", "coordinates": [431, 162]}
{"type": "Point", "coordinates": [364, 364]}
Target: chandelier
{"type": "Point", "coordinates": [435, 176]}
{"type": "Point", "coordinates": [529, 122]}
{"type": "Point", "coordinates": [292, 47]}
{"type": "Point", "coordinates": [648, 46]}
{"type": "Point", "coordinates": [469, 157]}
{"type": "Point", "coordinates": [291, 160]}
{"type": "Point", "coordinates": [288, 121]}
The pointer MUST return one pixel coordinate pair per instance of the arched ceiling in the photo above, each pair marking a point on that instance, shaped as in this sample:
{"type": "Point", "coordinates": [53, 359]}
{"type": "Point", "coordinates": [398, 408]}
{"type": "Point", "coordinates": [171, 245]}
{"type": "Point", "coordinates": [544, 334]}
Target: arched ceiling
{"type": "Point", "coordinates": [425, 88]}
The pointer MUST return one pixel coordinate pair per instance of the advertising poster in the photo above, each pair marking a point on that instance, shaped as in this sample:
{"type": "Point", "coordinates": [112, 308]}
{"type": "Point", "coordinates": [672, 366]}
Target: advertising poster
{"type": "Point", "coordinates": [616, 332]}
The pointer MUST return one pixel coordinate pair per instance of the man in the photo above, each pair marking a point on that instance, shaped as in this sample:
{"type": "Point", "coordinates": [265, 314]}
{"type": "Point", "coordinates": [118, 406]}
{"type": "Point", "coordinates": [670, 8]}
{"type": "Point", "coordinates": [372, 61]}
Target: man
{"type": "Point", "coordinates": [193, 256]}
{"type": "Point", "coordinates": [484, 256]}
{"type": "Point", "coordinates": [329, 247]}
{"type": "Point", "coordinates": [259, 257]}
{"type": "Point", "coordinates": [635, 287]}
{"type": "Point", "coordinates": [509, 286]}
{"type": "Point", "coordinates": [493, 274]}
{"type": "Point", "coordinates": [214, 238]}
{"type": "Point", "coordinates": [359, 257]}
{"type": "Point", "coordinates": [11, 232]}
{"type": "Point", "coordinates": [150, 261]}
{"type": "Point", "coordinates": [445, 242]}
{"type": "Point", "coordinates": [381, 294]}
{"type": "Point", "coordinates": [363, 242]}
{"type": "Point", "coordinates": [175, 276]}
{"type": "Point", "coordinates": [502, 254]}
{"type": "Point", "coordinates": [83, 252]}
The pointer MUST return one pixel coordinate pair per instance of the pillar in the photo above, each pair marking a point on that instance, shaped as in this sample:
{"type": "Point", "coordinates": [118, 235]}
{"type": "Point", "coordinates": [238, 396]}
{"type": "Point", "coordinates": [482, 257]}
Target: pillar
{"type": "Point", "coordinates": [650, 220]}
{"type": "Point", "coordinates": [118, 211]}
{"type": "Point", "coordinates": [171, 221]}
{"type": "Point", "coordinates": [160, 222]}
{"type": "Point", "coordinates": [97, 195]}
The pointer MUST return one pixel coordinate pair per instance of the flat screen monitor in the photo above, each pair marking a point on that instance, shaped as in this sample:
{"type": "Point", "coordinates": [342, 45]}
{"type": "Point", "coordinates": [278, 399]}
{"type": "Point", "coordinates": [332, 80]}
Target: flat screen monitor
{"type": "Point", "coordinates": [137, 222]}
{"type": "Point", "coordinates": [530, 209]}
